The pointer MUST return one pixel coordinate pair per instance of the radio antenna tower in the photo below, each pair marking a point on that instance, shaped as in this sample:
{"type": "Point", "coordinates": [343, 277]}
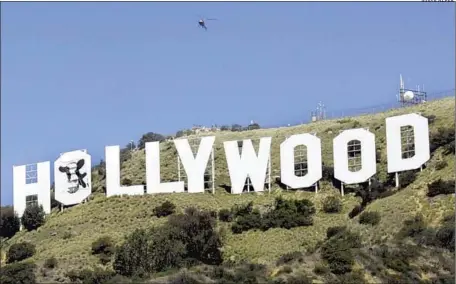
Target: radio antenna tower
{"type": "Point", "coordinates": [319, 113]}
{"type": "Point", "coordinates": [408, 97]}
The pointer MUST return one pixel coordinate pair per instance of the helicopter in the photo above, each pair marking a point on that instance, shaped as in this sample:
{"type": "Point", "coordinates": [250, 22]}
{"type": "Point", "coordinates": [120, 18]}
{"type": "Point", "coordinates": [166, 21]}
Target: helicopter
{"type": "Point", "coordinates": [202, 23]}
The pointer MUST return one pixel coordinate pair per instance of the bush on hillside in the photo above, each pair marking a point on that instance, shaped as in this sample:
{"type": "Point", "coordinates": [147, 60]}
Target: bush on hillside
{"type": "Point", "coordinates": [33, 217]}
{"type": "Point", "coordinates": [20, 251]}
{"type": "Point", "coordinates": [351, 278]}
{"type": "Point", "coordinates": [337, 251]}
{"type": "Point", "coordinates": [440, 165]}
{"type": "Point", "coordinates": [244, 273]}
{"type": "Point", "coordinates": [290, 257]}
{"type": "Point", "coordinates": [185, 277]}
{"type": "Point", "coordinates": [370, 218]}
{"type": "Point", "coordinates": [104, 248]}
{"type": "Point", "coordinates": [338, 255]}
{"type": "Point", "coordinates": [449, 148]}
{"type": "Point", "coordinates": [431, 118]}
{"type": "Point", "coordinates": [165, 209]}
{"type": "Point", "coordinates": [197, 230]}
{"type": "Point", "coordinates": [355, 211]}
{"type": "Point", "coordinates": [332, 204]}
{"type": "Point", "coordinates": [247, 222]}
{"type": "Point", "coordinates": [87, 276]}
{"type": "Point", "coordinates": [332, 231]}
{"type": "Point", "coordinates": [445, 235]}
{"type": "Point", "coordinates": [225, 215]}
{"type": "Point", "coordinates": [286, 214]}
{"type": "Point", "coordinates": [242, 209]}
{"type": "Point", "coordinates": [441, 187]}
{"type": "Point", "coordinates": [9, 222]}
{"type": "Point", "coordinates": [50, 263]}
{"type": "Point", "coordinates": [397, 259]}
{"type": "Point", "coordinates": [412, 227]}
{"type": "Point", "coordinates": [443, 138]}
{"type": "Point", "coordinates": [131, 257]}
{"type": "Point", "coordinates": [406, 178]}
{"type": "Point", "coordinates": [187, 237]}
{"type": "Point", "coordinates": [16, 273]}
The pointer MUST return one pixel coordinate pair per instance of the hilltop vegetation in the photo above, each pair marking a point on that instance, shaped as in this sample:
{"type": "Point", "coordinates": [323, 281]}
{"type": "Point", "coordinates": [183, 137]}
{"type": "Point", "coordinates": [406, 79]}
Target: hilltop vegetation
{"type": "Point", "coordinates": [375, 233]}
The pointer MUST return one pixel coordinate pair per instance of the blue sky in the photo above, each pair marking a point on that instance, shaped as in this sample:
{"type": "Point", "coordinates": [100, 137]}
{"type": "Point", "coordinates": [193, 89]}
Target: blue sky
{"type": "Point", "coordinates": [87, 75]}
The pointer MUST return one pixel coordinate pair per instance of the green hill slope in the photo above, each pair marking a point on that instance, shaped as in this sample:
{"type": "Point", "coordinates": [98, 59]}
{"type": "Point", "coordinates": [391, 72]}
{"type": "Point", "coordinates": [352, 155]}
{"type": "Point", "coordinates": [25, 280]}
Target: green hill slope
{"type": "Point", "coordinates": [68, 235]}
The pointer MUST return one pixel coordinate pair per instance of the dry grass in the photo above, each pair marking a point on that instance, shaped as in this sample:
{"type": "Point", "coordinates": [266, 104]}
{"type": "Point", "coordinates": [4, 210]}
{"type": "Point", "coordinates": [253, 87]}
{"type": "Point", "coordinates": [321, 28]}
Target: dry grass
{"type": "Point", "coordinates": [68, 235]}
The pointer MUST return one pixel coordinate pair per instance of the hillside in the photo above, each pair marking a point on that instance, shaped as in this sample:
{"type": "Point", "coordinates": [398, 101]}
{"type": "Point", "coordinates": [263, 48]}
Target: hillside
{"type": "Point", "coordinates": [68, 235]}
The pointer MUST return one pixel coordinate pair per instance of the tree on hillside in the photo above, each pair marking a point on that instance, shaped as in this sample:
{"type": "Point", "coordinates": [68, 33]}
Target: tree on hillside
{"type": "Point", "coordinates": [254, 126]}
{"type": "Point", "coordinates": [150, 137]}
{"type": "Point", "coordinates": [9, 222]}
{"type": "Point", "coordinates": [236, 127]}
{"type": "Point", "coordinates": [186, 238]}
{"type": "Point", "coordinates": [33, 217]}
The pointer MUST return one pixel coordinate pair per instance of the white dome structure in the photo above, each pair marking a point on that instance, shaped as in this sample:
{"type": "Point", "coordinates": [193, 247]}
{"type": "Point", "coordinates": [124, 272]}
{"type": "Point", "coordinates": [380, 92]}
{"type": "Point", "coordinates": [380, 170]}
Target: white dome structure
{"type": "Point", "coordinates": [408, 96]}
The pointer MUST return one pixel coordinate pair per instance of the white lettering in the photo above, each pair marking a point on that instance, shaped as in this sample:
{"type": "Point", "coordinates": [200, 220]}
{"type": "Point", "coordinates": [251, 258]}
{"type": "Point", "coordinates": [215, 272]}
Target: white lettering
{"type": "Point", "coordinates": [247, 164]}
{"type": "Point", "coordinates": [393, 142]}
{"type": "Point", "coordinates": [287, 157]}
{"type": "Point", "coordinates": [195, 167]}
{"type": "Point", "coordinates": [368, 163]}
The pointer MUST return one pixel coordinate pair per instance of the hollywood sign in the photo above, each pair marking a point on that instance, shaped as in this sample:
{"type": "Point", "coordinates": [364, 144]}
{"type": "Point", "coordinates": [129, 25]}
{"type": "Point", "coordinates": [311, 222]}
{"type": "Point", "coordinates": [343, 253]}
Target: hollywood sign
{"type": "Point", "coordinates": [72, 170]}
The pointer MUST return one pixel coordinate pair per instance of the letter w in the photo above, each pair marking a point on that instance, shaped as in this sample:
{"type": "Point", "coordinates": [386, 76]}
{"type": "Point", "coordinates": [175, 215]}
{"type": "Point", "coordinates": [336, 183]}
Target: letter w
{"type": "Point", "coordinates": [247, 164]}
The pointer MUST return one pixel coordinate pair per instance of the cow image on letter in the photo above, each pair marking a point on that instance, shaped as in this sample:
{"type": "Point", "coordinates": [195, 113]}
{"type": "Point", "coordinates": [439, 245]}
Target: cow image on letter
{"type": "Point", "coordinates": [74, 176]}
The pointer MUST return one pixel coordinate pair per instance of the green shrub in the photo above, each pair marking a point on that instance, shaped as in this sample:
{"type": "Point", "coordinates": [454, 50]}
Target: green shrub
{"type": "Point", "coordinates": [242, 209]}
{"type": "Point", "coordinates": [286, 214]}
{"type": "Point", "coordinates": [244, 273]}
{"type": "Point", "coordinates": [355, 211]}
{"type": "Point", "coordinates": [399, 258]}
{"type": "Point", "coordinates": [320, 269]}
{"type": "Point", "coordinates": [187, 237]}
{"type": "Point", "coordinates": [332, 204]}
{"type": "Point", "coordinates": [439, 165]}
{"type": "Point", "coordinates": [247, 222]}
{"type": "Point", "coordinates": [449, 148]}
{"type": "Point", "coordinates": [290, 257]}
{"type": "Point", "coordinates": [337, 252]}
{"type": "Point", "coordinates": [33, 217]}
{"type": "Point", "coordinates": [50, 263]}
{"type": "Point", "coordinates": [412, 227]}
{"type": "Point", "coordinates": [20, 251]}
{"type": "Point", "coordinates": [332, 231]}
{"type": "Point", "coordinates": [371, 218]}
{"type": "Point", "coordinates": [131, 257]}
{"type": "Point", "coordinates": [9, 222]}
{"type": "Point", "coordinates": [225, 215]}
{"type": "Point", "coordinates": [87, 276]}
{"type": "Point", "coordinates": [442, 138]}
{"type": "Point", "coordinates": [441, 187]}
{"type": "Point", "coordinates": [406, 178]}
{"type": "Point", "coordinates": [18, 273]}
{"type": "Point", "coordinates": [104, 248]}
{"type": "Point", "coordinates": [351, 278]}
{"type": "Point", "coordinates": [165, 209]}
{"type": "Point", "coordinates": [185, 277]}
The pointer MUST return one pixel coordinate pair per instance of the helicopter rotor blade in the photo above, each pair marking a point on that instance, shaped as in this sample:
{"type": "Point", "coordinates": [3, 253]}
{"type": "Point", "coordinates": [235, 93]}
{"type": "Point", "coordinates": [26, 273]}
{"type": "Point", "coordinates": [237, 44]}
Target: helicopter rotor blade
{"type": "Point", "coordinates": [211, 19]}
